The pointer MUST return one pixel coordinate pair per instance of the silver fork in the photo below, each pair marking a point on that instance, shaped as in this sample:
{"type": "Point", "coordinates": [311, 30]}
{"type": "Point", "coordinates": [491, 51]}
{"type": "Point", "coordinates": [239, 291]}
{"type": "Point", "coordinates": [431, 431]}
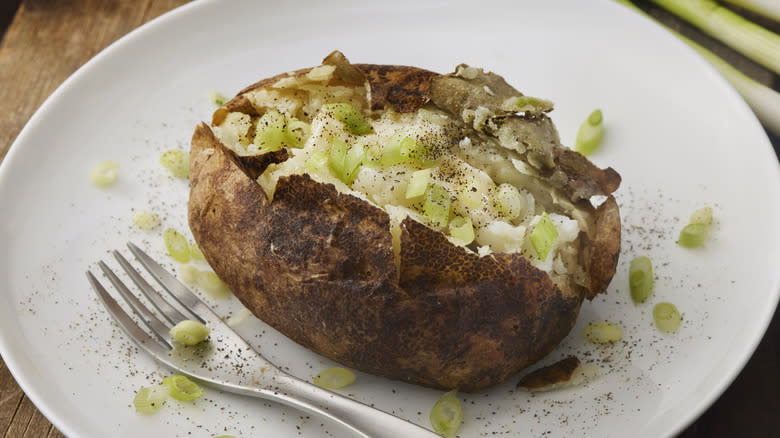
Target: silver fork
{"type": "Point", "coordinates": [226, 361]}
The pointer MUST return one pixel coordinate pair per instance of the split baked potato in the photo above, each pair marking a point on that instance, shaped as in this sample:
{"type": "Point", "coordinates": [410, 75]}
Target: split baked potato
{"type": "Point", "coordinates": [423, 227]}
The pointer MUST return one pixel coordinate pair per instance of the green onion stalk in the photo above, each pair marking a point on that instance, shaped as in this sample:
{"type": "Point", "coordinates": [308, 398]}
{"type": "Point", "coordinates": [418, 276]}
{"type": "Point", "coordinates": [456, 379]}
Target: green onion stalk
{"type": "Point", "coordinates": [764, 101]}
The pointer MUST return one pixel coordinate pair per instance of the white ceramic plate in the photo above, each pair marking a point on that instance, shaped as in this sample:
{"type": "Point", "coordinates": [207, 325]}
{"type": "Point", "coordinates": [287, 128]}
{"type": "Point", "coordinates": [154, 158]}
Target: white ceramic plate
{"type": "Point", "coordinates": [678, 134]}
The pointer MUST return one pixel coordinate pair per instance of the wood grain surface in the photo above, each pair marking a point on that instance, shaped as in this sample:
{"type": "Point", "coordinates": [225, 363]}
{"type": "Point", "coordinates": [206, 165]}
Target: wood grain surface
{"type": "Point", "coordinates": [45, 41]}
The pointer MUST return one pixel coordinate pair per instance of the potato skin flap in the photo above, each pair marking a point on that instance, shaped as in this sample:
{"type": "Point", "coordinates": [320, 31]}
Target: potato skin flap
{"type": "Point", "coordinates": [319, 265]}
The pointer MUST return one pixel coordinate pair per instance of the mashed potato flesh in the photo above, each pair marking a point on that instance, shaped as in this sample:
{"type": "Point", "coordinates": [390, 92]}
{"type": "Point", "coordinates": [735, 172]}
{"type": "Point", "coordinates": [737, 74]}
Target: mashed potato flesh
{"type": "Point", "coordinates": [469, 169]}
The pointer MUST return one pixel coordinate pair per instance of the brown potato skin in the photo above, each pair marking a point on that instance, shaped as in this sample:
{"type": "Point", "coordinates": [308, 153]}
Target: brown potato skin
{"type": "Point", "coordinates": [318, 266]}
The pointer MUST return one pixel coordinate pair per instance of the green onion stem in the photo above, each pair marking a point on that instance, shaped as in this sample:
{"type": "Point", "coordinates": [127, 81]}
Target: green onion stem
{"type": "Point", "coordinates": [767, 8]}
{"type": "Point", "coordinates": [764, 101]}
{"type": "Point", "coordinates": [750, 39]}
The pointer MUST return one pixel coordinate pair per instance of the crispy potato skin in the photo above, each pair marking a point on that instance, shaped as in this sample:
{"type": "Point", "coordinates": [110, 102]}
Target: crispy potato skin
{"type": "Point", "coordinates": [318, 266]}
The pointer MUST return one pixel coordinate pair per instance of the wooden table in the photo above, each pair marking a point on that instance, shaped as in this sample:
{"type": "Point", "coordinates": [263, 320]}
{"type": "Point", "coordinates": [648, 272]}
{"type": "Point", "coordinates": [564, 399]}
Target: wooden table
{"type": "Point", "coordinates": [47, 40]}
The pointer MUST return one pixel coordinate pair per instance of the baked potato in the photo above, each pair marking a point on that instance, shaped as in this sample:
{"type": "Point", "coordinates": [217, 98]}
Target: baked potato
{"type": "Point", "coordinates": [424, 227]}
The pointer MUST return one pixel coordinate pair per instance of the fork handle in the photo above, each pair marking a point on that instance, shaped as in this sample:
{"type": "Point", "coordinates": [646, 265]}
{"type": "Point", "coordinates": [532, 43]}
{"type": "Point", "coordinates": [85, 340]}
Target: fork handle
{"type": "Point", "coordinates": [362, 419]}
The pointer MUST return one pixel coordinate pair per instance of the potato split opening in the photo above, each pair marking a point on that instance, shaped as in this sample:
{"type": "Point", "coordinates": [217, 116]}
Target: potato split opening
{"type": "Point", "coordinates": [485, 166]}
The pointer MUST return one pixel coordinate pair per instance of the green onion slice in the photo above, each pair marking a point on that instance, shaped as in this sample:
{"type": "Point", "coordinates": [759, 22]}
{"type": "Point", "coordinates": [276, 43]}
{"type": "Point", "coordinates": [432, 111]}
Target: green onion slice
{"type": "Point", "coordinates": [345, 161]}
{"type": "Point", "coordinates": [543, 236]}
{"type": "Point", "coordinates": [189, 274]}
{"type": "Point", "coordinates": [146, 220]}
{"type": "Point", "coordinates": [212, 285]}
{"type": "Point", "coordinates": [334, 378]}
{"type": "Point", "coordinates": [701, 216]}
{"type": "Point", "coordinates": [418, 183]}
{"type": "Point", "coordinates": [590, 133]}
{"type": "Point", "coordinates": [667, 317]}
{"type": "Point", "coordinates": [182, 388]}
{"type": "Point", "coordinates": [189, 332]}
{"type": "Point", "coordinates": [436, 206]}
{"type": "Point", "coordinates": [177, 162]}
{"type": "Point", "coordinates": [462, 229]}
{"type": "Point", "coordinates": [104, 173]}
{"type": "Point", "coordinates": [217, 98]}
{"type": "Point", "coordinates": [602, 332]}
{"type": "Point", "coordinates": [640, 279]}
{"type": "Point", "coordinates": [177, 245]}
{"type": "Point", "coordinates": [351, 118]}
{"type": "Point", "coordinates": [149, 400]}
{"type": "Point", "coordinates": [694, 235]}
{"type": "Point", "coordinates": [447, 415]}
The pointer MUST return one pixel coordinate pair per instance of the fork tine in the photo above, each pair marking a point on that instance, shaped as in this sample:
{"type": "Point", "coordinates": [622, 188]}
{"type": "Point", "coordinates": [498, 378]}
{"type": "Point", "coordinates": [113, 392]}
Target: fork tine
{"type": "Point", "coordinates": [176, 288]}
{"type": "Point", "coordinates": [169, 312]}
{"type": "Point", "coordinates": [125, 321]}
{"type": "Point", "coordinates": [145, 315]}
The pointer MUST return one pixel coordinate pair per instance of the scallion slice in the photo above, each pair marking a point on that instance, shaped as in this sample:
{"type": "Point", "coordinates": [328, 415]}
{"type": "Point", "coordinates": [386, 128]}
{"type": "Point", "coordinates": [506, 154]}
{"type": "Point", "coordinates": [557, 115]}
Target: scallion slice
{"type": "Point", "coordinates": [693, 235]}
{"type": "Point", "coordinates": [667, 317]}
{"type": "Point", "coordinates": [602, 332]}
{"type": "Point", "coordinates": [104, 173]}
{"type": "Point", "coordinates": [182, 388]}
{"type": "Point", "coordinates": [212, 285]}
{"type": "Point", "coordinates": [189, 332]}
{"type": "Point", "coordinates": [590, 133]}
{"type": "Point", "coordinates": [418, 183]}
{"type": "Point", "coordinates": [150, 399]}
{"type": "Point", "coordinates": [177, 162]}
{"type": "Point", "coordinates": [145, 220]}
{"type": "Point", "coordinates": [334, 378]}
{"type": "Point", "coordinates": [271, 132]}
{"type": "Point", "coordinates": [543, 236]}
{"type": "Point", "coordinates": [462, 230]}
{"type": "Point", "coordinates": [177, 245]}
{"type": "Point", "coordinates": [447, 415]}
{"type": "Point", "coordinates": [217, 98]}
{"type": "Point", "coordinates": [350, 117]}
{"type": "Point", "coordinates": [640, 279]}
{"type": "Point", "coordinates": [436, 206]}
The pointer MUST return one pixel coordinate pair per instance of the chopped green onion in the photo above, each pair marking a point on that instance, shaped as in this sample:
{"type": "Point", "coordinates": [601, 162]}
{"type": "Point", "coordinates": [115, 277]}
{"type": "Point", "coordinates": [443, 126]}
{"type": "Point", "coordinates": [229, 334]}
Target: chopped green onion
{"type": "Point", "coordinates": [602, 332]}
{"type": "Point", "coordinates": [701, 216]}
{"type": "Point", "coordinates": [447, 415]}
{"type": "Point", "coordinates": [667, 317]}
{"type": "Point", "coordinates": [189, 274]}
{"type": "Point", "coordinates": [217, 98]}
{"type": "Point", "coordinates": [543, 236]}
{"type": "Point", "coordinates": [316, 161]}
{"type": "Point", "coordinates": [750, 39]}
{"type": "Point", "coordinates": [334, 378]}
{"type": "Point", "coordinates": [640, 279]}
{"type": "Point", "coordinates": [347, 115]}
{"type": "Point", "coordinates": [590, 133]}
{"type": "Point", "coordinates": [149, 400]}
{"type": "Point", "coordinates": [418, 183]}
{"type": "Point", "coordinates": [693, 235]}
{"type": "Point", "coordinates": [532, 104]}
{"type": "Point", "coordinates": [212, 285]}
{"type": "Point", "coordinates": [436, 206]}
{"type": "Point", "coordinates": [297, 132]}
{"type": "Point", "coordinates": [177, 245]}
{"type": "Point", "coordinates": [189, 332]}
{"type": "Point", "coordinates": [197, 254]}
{"type": "Point", "coordinates": [462, 229]}
{"type": "Point", "coordinates": [271, 132]}
{"type": "Point", "coordinates": [510, 202]}
{"type": "Point", "coordinates": [182, 388]}
{"type": "Point", "coordinates": [104, 173]}
{"type": "Point", "coordinates": [177, 162]}
{"type": "Point", "coordinates": [146, 220]}
{"type": "Point", "coordinates": [344, 160]}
